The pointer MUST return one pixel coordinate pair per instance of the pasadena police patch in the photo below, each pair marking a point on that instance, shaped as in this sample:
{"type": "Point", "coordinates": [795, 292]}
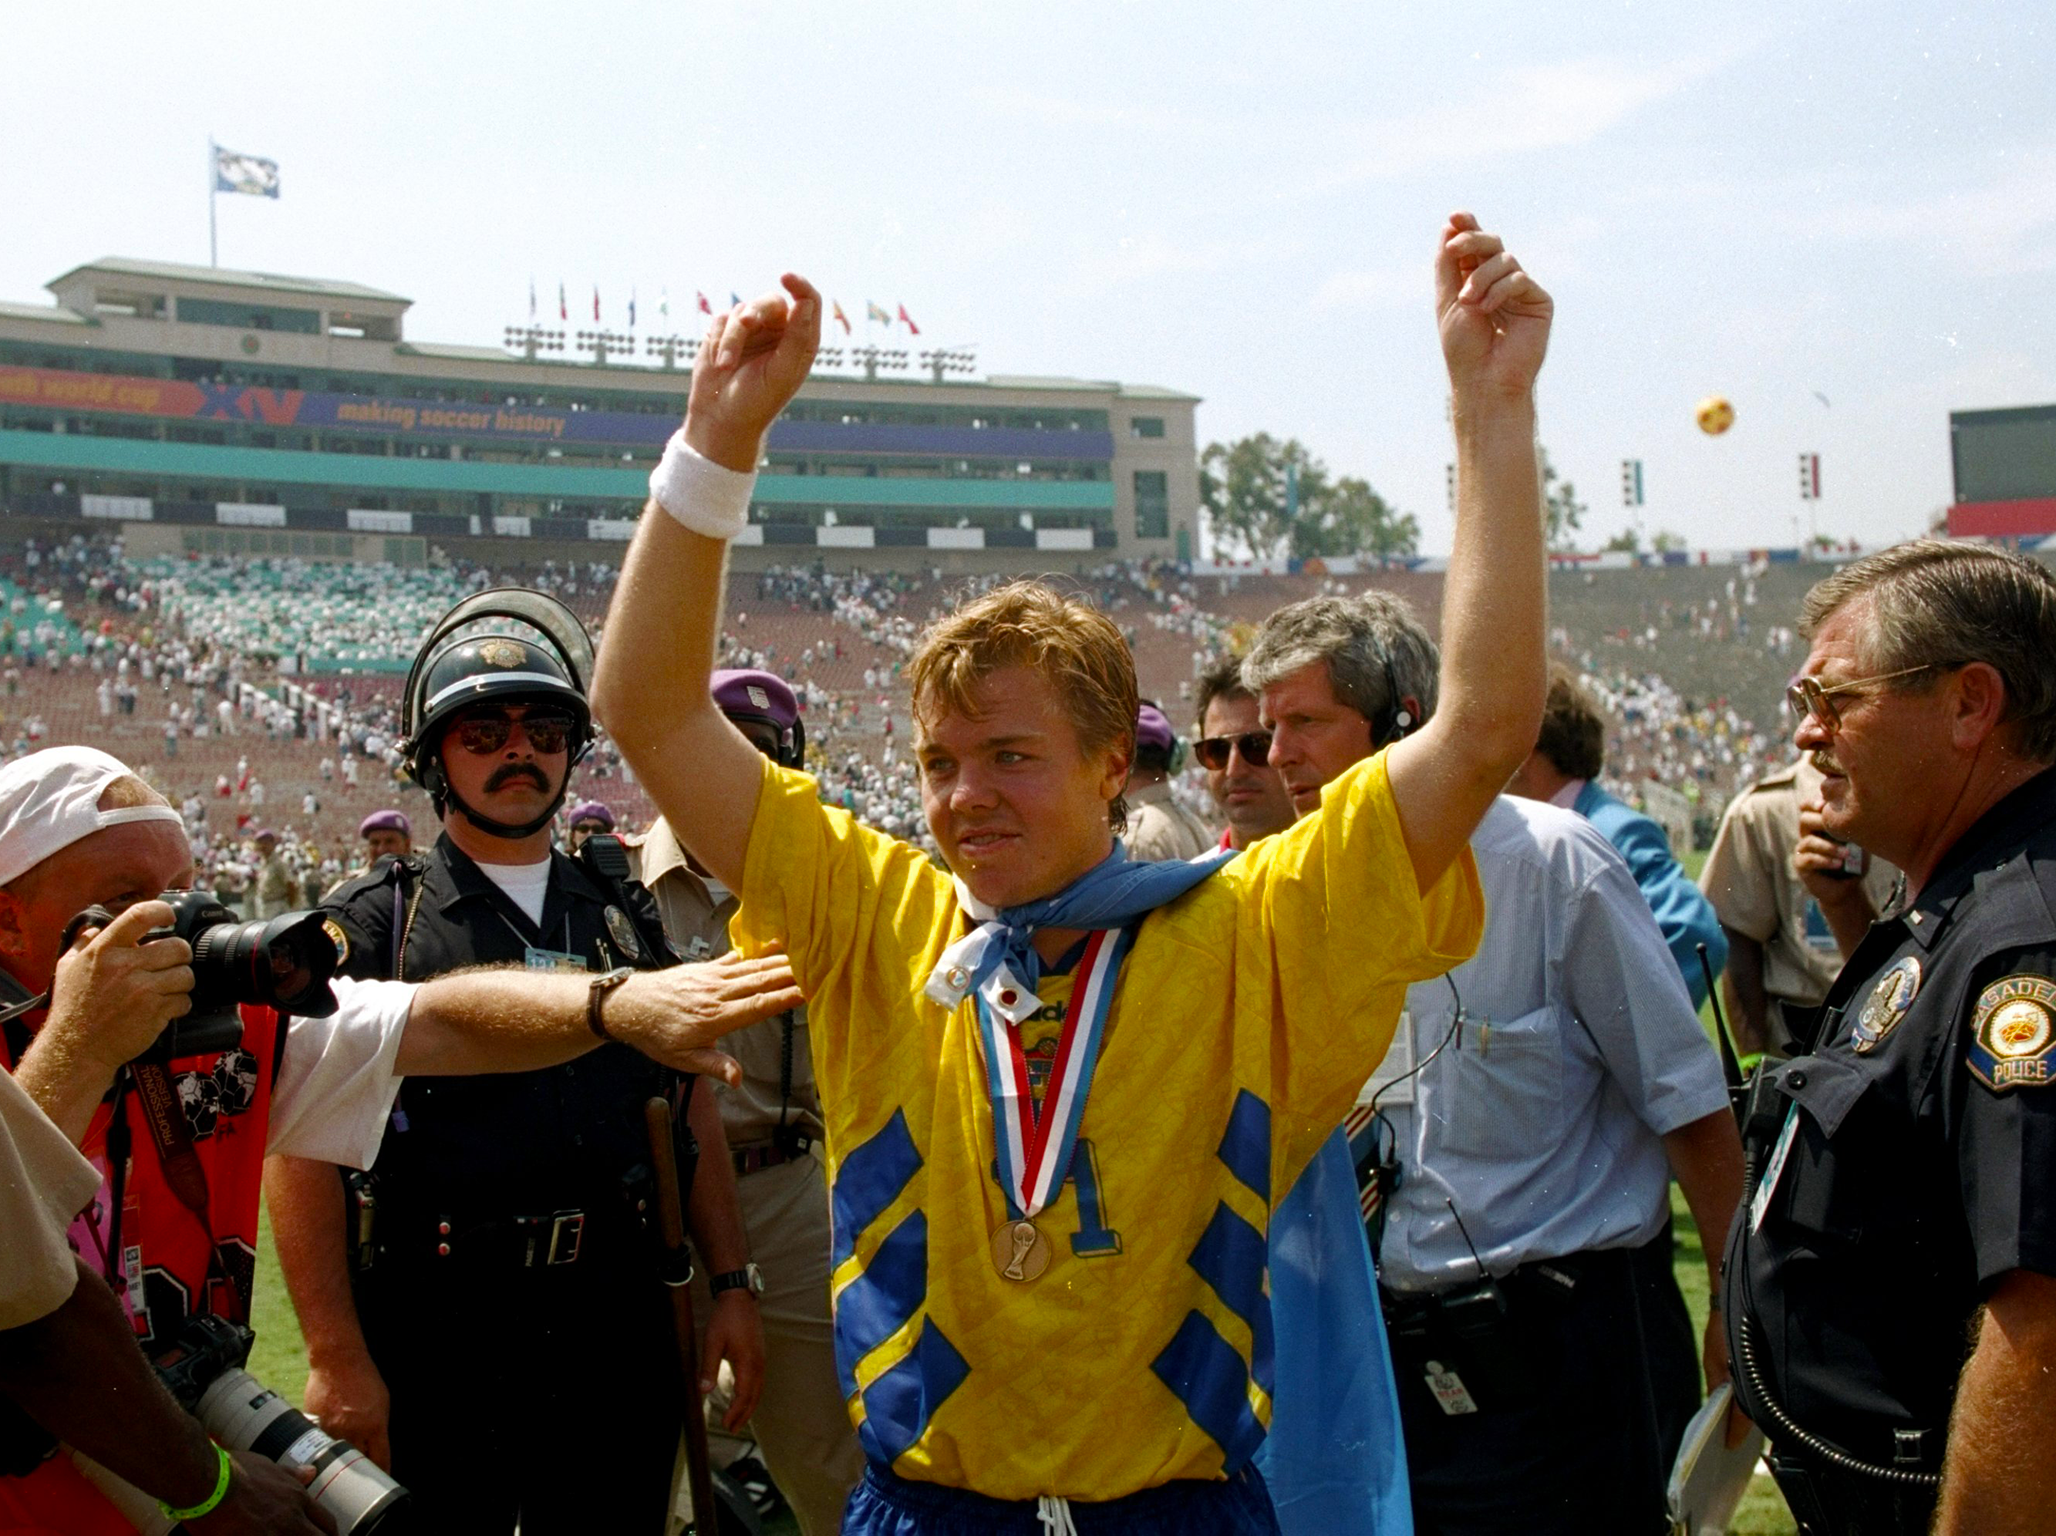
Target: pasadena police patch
{"type": "Point", "coordinates": [2014, 1033]}
{"type": "Point", "coordinates": [1886, 1006]}
{"type": "Point", "coordinates": [340, 939]}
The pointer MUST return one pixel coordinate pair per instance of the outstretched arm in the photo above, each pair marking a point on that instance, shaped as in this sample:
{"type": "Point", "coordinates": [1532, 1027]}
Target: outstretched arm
{"type": "Point", "coordinates": [650, 688]}
{"type": "Point", "coordinates": [1494, 321]}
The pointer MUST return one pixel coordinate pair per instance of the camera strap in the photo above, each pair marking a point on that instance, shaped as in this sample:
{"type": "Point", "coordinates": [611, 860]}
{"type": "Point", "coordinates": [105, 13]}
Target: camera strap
{"type": "Point", "coordinates": [183, 1172]}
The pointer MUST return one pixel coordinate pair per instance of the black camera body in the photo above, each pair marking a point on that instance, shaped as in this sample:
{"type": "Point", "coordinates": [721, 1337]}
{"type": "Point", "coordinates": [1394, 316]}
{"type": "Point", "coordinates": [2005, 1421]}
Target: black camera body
{"type": "Point", "coordinates": [285, 962]}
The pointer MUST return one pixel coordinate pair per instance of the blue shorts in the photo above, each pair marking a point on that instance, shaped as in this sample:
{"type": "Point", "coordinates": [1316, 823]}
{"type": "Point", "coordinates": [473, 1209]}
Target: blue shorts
{"type": "Point", "coordinates": [886, 1504]}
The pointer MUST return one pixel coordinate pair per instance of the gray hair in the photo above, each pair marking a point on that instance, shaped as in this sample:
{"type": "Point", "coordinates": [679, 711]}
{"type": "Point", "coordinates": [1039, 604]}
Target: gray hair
{"type": "Point", "coordinates": [1943, 604]}
{"type": "Point", "coordinates": [1358, 638]}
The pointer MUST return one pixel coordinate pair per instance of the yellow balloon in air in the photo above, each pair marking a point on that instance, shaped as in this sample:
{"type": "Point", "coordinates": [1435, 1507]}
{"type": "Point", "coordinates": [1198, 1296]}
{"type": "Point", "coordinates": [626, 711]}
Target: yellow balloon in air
{"type": "Point", "coordinates": [1715, 415]}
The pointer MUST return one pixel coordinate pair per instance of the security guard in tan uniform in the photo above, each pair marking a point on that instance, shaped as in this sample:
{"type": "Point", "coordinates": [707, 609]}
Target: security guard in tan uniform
{"type": "Point", "coordinates": [1158, 826]}
{"type": "Point", "coordinates": [773, 1121]}
{"type": "Point", "coordinates": [1783, 951]}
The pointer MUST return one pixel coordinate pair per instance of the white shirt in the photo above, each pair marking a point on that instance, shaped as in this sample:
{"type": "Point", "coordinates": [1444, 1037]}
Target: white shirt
{"type": "Point", "coordinates": [336, 1082]}
{"type": "Point", "coordinates": [1579, 1051]}
{"type": "Point", "coordinates": [526, 885]}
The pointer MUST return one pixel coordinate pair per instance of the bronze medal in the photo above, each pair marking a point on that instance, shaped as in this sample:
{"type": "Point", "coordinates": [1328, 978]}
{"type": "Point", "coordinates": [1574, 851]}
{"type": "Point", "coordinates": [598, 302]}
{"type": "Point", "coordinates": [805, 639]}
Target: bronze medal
{"type": "Point", "coordinates": [1019, 1250]}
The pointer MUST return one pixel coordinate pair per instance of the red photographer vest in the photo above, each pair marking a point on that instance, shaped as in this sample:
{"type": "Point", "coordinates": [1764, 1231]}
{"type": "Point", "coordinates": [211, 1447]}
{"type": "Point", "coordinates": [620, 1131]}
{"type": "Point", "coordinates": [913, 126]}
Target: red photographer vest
{"type": "Point", "coordinates": [160, 1258]}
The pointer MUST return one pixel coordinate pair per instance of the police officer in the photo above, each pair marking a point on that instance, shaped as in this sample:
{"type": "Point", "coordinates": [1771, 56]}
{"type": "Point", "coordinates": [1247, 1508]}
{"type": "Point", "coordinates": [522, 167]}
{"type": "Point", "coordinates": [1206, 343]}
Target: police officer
{"type": "Point", "coordinates": [1890, 1284]}
{"type": "Point", "coordinates": [773, 1121]}
{"type": "Point", "coordinates": [506, 1295]}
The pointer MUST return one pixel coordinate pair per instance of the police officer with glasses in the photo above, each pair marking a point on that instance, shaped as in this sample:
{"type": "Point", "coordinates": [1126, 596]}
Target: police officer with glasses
{"type": "Point", "coordinates": [1891, 1280]}
{"type": "Point", "coordinates": [490, 1300]}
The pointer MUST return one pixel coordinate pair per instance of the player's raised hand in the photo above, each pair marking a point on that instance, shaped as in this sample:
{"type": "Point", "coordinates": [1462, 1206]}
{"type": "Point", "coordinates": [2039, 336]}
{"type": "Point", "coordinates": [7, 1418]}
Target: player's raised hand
{"type": "Point", "coordinates": [1494, 318]}
{"type": "Point", "coordinates": [753, 361]}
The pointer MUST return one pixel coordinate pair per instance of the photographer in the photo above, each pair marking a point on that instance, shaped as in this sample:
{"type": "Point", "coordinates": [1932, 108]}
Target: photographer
{"type": "Point", "coordinates": [172, 1226]}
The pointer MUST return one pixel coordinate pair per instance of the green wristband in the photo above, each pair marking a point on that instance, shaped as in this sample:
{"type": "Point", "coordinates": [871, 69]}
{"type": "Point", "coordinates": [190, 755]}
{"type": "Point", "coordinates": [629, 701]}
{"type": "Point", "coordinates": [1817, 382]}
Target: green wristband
{"type": "Point", "coordinates": [213, 1500]}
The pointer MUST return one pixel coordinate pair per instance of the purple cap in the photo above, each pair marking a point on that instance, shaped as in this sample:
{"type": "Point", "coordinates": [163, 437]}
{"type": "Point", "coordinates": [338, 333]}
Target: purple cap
{"type": "Point", "coordinates": [749, 692]}
{"type": "Point", "coordinates": [592, 810]}
{"type": "Point", "coordinates": [386, 821]}
{"type": "Point", "coordinates": [1152, 729]}
{"type": "Point", "coordinates": [262, 833]}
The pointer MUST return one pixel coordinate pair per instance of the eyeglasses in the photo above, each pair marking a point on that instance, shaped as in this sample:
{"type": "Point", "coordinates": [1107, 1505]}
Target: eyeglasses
{"type": "Point", "coordinates": [548, 730]}
{"type": "Point", "coordinates": [1807, 697]}
{"type": "Point", "coordinates": [1213, 751]}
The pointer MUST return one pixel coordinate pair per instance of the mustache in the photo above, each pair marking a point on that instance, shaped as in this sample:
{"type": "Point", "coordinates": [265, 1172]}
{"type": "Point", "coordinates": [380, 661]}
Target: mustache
{"type": "Point", "coordinates": [504, 776]}
{"type": "Point", "coordinates": [1824, 763]}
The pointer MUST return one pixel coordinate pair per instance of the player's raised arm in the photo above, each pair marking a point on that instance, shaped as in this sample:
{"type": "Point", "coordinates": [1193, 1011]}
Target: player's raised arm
{"type": "Point", "coordinates": [650, 688]}
{"type": "Point", "coordinates": [1494, 320]}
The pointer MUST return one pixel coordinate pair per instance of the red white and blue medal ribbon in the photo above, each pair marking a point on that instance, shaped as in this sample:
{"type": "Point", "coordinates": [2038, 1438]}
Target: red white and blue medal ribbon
{"type": "Point", "coordinates": [1034, 1150]}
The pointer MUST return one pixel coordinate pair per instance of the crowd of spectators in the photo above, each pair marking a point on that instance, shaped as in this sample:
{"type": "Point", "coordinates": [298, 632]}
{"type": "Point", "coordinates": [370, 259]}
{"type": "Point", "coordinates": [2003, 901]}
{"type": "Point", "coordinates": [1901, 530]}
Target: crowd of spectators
{"type": "Point", "coordinates": [232, 671]}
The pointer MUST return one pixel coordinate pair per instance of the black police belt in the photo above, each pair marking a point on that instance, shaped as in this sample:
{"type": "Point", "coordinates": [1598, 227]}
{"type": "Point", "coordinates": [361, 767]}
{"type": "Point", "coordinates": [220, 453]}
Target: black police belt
{"type": "Point", "coordinates": [499, 1245]}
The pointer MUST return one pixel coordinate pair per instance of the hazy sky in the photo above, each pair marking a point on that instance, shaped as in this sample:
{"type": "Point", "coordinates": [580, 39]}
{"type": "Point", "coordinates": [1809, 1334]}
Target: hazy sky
{"type": "Point", "coordinates": [1764, 201]}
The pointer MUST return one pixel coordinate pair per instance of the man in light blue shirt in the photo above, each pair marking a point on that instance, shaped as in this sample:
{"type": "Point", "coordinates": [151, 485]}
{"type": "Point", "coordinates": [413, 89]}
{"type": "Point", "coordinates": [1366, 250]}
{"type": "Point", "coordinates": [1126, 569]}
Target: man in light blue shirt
{"type": "Point", "coordinates": [1564, 770]}
{"type": "Point", "coordinates": [1519, 1141]}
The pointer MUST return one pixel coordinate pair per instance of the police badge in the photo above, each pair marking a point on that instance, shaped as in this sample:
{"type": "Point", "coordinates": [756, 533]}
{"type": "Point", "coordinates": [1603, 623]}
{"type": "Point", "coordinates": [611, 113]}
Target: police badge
{"type": "Point", "coordinates": [501, 653]}
{"type": "Point", "coordinates": [1886, 1005]}
{"type": "Point", "coordinates": [624, 933]}
{"type": "Point", "coordinates": [2013, 1033]}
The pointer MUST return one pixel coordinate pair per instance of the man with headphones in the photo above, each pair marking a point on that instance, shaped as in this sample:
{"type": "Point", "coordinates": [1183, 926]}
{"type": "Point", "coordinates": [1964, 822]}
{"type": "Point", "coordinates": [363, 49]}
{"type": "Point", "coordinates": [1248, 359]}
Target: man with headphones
{"type": "Point", "coordinates": [773, 1122]}
{"type": "Point", "coordinates": [1517, 1144]}
{"type": "Point", "coordinates": [1158, 826]}
{"type": "Point", "coordinates": [486, 1301]}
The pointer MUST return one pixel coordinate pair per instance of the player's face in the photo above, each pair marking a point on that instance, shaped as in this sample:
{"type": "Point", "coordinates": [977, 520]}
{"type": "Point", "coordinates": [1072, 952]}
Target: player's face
{"type": "Point", "coordinates": [1017, 807]}
{"type": "Point", "coordinates": [1887, 771]}
{"type": "Point", "coordinates": [514, 783]}
{"type": "Point", "coordinates": [1314, 735]}
{"type": "Point", "coordinates": [386, 840]}
{"type": "Point", "coordinates": [1251, 795]}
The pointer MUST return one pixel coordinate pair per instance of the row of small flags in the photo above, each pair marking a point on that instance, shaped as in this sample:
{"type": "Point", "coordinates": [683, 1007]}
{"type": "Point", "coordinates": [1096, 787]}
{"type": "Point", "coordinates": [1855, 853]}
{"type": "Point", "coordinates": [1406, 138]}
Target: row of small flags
{"type": "Point", "coordinates": [257, 177]}
{"type": "Point", "coordinates": [873, 312]}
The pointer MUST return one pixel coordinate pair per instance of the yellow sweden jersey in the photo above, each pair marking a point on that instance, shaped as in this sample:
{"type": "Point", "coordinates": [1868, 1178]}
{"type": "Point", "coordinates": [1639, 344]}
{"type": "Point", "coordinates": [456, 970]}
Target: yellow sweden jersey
{"type": "Point", "coordinates": [1246, 1016]}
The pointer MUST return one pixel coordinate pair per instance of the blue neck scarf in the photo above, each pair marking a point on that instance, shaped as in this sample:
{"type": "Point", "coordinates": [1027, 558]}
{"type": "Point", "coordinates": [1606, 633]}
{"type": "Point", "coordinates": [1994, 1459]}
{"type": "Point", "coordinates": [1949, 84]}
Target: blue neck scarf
{"type": "Point", "coordinates": [1115, 892]}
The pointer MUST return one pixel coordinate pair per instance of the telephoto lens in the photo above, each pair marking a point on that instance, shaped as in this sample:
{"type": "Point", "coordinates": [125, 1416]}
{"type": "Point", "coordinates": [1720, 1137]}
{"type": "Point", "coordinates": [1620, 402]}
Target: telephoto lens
{"type": "Point", "coordinates": [204, 1370]}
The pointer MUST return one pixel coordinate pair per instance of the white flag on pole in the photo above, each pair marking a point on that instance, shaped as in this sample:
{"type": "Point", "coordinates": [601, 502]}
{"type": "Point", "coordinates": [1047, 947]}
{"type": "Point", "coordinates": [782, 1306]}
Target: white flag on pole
{"type": "Point", "coordinates": [246, 174]}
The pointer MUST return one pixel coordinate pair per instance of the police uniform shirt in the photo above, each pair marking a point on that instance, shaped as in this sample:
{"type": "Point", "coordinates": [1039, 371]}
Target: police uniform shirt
{"type": "Point", "coordinates": [1919, 1160]}
{"type": "Point", "coordinates": [1542, 1121]}
{"type": "Point", "coordinates": [1246, 1014]}
{"type": "Point", "coordinates": [554, 1138]}
{"type": "Point", "coordinates": [1756, 892]}
{"type": "Point", "coordinates": [696, 918]}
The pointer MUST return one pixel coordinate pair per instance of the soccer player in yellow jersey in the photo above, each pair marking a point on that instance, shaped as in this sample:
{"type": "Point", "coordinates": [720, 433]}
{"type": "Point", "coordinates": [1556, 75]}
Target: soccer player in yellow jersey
{"type": "Point", "coordinates": [1063, 1091]}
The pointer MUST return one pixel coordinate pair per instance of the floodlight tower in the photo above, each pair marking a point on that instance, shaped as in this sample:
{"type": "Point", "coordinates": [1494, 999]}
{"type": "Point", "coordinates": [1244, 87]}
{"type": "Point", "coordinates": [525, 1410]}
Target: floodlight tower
{"type": "Point", "coordinates": [531, 339]}
{"type": "Point", "coordinates": [942, 361]}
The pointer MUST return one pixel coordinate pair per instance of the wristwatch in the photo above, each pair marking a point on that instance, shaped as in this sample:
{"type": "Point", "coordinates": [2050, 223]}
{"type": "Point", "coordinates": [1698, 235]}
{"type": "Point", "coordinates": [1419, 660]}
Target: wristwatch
{"type": "Point", "coordinates": [596, 997]}
{"type": "Point", "coordinates": [748, 1278]}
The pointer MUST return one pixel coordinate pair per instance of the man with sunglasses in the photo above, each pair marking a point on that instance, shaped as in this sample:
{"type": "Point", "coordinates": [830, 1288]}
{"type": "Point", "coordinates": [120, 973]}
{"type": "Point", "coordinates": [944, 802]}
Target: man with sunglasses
{"type": "Point", "coordinates": [586, 818]}
{"type": "Point", "coordinates": [1235, 751]}
{"type": "Point", "coordinates": [1517, 1145]}
{"type": "Point", "coordinates": [1891, 1283]}
{"type": "Point", "coordinates": [485, 1301]}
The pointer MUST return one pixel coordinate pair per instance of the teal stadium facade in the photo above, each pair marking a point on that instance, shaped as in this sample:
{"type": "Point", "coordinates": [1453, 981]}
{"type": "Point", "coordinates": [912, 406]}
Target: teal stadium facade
{"type": "Point", "coordinates": [212, 411]}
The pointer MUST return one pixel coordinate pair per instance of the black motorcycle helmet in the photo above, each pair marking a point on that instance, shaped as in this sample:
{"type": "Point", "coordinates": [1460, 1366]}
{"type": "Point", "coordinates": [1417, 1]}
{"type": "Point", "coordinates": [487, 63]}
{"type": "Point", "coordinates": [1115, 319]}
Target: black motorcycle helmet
{"type": "Point", "coordinates": [454, 671]}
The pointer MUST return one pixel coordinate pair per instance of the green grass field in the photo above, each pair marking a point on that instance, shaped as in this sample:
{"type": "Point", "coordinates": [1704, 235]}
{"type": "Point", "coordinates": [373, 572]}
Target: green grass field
{"type": "Point", "coordinates": [280, 1360]}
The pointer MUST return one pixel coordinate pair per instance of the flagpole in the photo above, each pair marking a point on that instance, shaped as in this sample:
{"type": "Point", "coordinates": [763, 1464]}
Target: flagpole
{"type": "Point", "coordinates": [213, 158]}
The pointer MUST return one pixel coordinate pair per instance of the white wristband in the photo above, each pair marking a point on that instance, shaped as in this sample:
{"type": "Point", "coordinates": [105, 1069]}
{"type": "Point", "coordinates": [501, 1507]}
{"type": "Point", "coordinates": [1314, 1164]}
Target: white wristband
{"type": "Point", "coordinates": [699, 494]}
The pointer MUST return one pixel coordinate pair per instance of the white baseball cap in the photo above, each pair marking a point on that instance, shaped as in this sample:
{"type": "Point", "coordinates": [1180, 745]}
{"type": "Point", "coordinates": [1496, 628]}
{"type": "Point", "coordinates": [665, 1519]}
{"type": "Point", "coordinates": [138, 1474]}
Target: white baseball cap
{"type": "Point", "coordinates": [51, 799]}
